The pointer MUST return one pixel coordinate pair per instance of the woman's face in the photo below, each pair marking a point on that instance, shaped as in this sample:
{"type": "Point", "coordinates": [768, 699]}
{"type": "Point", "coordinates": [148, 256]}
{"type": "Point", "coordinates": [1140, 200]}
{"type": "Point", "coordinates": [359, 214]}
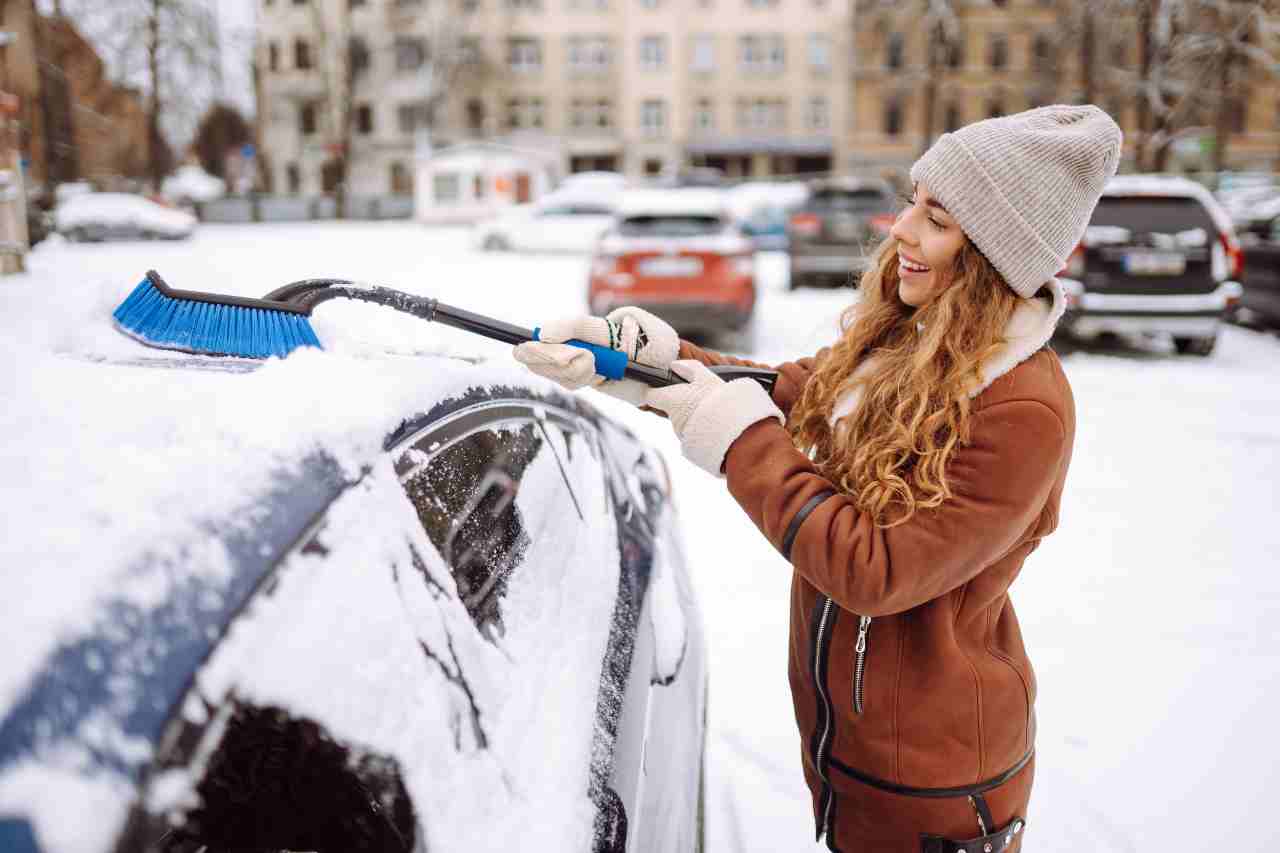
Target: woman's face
{"type": "Point", "coordinates": [928, 242]}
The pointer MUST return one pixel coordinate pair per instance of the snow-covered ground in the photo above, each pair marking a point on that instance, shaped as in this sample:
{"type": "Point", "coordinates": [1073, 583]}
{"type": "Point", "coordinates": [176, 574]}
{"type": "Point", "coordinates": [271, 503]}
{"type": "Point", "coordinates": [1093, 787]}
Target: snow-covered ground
{"type": "Point", "coordinates": [1151, 615]}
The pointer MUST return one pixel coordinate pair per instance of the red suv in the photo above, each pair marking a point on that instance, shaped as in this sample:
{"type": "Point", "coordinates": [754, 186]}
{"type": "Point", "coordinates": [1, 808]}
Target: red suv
{"type": "Point", "coordinates": [678, 254]}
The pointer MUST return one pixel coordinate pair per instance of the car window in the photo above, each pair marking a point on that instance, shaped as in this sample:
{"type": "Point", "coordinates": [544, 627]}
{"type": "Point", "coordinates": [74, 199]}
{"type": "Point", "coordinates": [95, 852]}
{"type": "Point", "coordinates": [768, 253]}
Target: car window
{"type": "Point", "coordinates": [1153, 214]}
{"type": "Point", "coordinates": [489, 499]}
{"type": "Point", "coordinates": [688, 225]}
{"type": "Point", "coordinates": [858, 200]}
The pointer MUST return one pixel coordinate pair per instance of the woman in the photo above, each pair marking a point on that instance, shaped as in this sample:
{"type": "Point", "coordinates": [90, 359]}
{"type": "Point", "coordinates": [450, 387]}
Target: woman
{"type": "Point", "coordinates": [907, 471]}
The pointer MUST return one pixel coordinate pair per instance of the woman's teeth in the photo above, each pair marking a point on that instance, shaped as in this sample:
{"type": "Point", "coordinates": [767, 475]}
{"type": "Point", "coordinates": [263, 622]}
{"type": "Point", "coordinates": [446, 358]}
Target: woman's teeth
{"type": "Point", "coordinates": [910, 267]}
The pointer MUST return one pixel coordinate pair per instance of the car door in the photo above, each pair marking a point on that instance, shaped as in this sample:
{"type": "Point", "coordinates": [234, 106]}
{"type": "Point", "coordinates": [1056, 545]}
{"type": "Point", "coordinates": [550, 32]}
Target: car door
{"type": "Point", "coordinates": [440, 655]}
{"type": "Point", "coordinates": [1262, 275]}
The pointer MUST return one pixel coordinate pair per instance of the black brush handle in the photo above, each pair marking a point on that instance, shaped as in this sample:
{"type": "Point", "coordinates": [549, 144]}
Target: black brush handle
{"type": "Point", "coordinates": [310, 293]}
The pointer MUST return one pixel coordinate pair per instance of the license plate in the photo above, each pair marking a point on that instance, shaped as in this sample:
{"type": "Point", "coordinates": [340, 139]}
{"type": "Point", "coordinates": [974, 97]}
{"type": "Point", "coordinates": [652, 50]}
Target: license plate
{"type": "Point", "coordinates": [670, 267]}
{"type": "Point", "coordinates": [1154, 263]}
{"type": "Point", "coordinates": [844, 228]}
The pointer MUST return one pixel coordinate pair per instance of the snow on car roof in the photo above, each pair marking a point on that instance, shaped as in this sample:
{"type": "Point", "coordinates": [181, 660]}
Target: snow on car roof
{"type": "Point", "coordinates": [686, 201]}
{"type": "Point", "coordinates": [114, 451]}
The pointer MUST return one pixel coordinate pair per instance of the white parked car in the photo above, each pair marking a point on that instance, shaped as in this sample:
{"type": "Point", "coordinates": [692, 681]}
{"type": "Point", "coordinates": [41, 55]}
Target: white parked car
{"type": "Point", "coordinates": [190, 183]}
{"type": "Point", "coordinates": [557, 223]}
{"type": "Point", "coordinates": [120, 216]}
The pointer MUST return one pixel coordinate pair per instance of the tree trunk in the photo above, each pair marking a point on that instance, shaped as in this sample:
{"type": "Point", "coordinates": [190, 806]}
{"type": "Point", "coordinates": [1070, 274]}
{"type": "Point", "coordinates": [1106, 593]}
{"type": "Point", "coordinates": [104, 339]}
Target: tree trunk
{"type": "Point", "coordinates": [1088, 37]}
{"type": "Point", "coordinates": [1146, 50]}
{"type": "Point", "coordinates": [932, 68]}
{"type": "Point", "coordinates": [155, 167]}
{"type": "Point", "coordinates": [1224, 112]}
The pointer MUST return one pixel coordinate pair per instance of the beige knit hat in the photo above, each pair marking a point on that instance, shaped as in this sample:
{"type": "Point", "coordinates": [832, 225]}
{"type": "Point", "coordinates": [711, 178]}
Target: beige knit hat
{"type": "Point", "coordinates": [1023, 187]}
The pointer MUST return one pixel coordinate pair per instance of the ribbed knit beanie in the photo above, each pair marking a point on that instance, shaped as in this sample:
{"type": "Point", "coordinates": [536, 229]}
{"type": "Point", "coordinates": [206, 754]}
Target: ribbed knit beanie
{"type": "Point", "coordinates": [1022, 187]}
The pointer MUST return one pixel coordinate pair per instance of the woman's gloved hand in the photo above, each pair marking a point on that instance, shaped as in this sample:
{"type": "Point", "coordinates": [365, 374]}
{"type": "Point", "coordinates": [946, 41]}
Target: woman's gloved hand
{"type": "Point", "coordinates": [645, 338]}
{"type": "Point", "coordinates": [708, 413]}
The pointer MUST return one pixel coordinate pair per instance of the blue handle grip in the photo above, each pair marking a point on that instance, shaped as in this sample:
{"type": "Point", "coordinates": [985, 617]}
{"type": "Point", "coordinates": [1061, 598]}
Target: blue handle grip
{"type": "Point", "coordinates": [610, 363]}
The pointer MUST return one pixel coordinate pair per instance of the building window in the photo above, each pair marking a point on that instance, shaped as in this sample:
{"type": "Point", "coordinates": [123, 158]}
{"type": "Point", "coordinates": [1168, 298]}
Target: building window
{"type": "Point", "coordinates": [604, 113]}
{"type": "Point", "coordinates": [293, 178]}
{"type": "Point", "coordinates": [702, 59]}
{"type": "Point", "coordinates": [761, 54]}
{"type": "Point", "coordinates": [401, 180]}
{"type": "Point", "coordinates": [410, 52]}
{"type": "Point", "coordinates": [470, 52]}
{"type": "Point", "coordinates": [413, 115]}
{"type": "Point", "coordinates": [524, 113]}
{"type": "Point", "coordinates": [818, 116]}
{"type": "Point", "coordinates": [445, 187]}
{"type": "Point", "coordinates": [761, 114]}
{"type": "Point", "coordinates": [819, 52]}
{"type": "Point", "coordinates": [301, 55]}
{"type": "Point", "coordinates": [364, 119]}
{"type": "Point", "coordinates": [704, 116]}
{"type": "Point", "coordinates": [998, 51]}
{"type": "Point", "coordinates": [358, 55]}
{"type": "Point", "coordinates": [589, 54]}
{"type": "Point", "coordinates": [1041, 53]}
{"type": "Point", "coordinates": [951, 118]}
{"type": "Point", "coordinates": [273, 57]}
{"type": "Point", "coordinates": [524, 55]}
{"type": "Point", "coordinates": [475, 115]}
{"type": "Point", "coordinates": [590, 114]}
{"type": "Point", "coordinates": [352, 4]}
{"type": "Point", "coordinates": [894, 50]}
{"type": "Point", "coordinates": [307, 119]}
{"type": "Point", "coordinates": [470, 7]}
{"type": "Point", "coordinates": [893, 118]}
{"type": "Point", "coordinates": [653, 118]}
{"type": "Point", "coordinates": [653, 53]}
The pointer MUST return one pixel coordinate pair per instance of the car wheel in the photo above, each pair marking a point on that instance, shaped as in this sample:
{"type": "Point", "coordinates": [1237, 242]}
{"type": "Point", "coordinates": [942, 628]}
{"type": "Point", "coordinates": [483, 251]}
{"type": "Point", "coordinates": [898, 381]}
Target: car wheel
{"type": "Point", "coordinates": [1195, 346]}
{"type": "Point", "coordinates": [496, 243]}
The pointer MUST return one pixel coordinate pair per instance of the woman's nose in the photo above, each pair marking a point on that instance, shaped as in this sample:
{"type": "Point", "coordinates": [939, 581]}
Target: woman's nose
{"type": "Point", "coordinates": [901, 230]}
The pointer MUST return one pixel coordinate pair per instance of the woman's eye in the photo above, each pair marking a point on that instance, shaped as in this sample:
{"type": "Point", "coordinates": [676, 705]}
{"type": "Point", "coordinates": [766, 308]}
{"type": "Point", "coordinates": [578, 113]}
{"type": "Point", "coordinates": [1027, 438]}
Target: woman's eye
{"type": "Point", "coordinates": [935, 224]}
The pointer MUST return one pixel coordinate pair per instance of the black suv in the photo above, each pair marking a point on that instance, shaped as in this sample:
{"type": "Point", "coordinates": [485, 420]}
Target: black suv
{"type": "Point", "coordinates": [833, 234]}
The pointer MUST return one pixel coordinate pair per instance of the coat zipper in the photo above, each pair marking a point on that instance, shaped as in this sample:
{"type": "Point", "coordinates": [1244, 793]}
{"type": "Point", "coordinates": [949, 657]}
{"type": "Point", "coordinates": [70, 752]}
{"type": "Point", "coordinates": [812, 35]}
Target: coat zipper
{"type": "Point", "coordinates": [827, 712]}
{"type": "Point", "coordinates": [860, 662]}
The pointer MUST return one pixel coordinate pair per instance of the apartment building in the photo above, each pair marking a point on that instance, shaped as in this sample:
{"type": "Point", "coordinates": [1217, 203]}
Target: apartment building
{"type": "Point", "coordinates": [1012, 55]}
{"type": "Point", "coordinates": [755, 87]}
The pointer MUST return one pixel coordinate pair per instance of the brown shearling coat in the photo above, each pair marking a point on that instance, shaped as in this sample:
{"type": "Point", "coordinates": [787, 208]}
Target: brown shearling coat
{"type": "Point", "coordinates": [947, 694]}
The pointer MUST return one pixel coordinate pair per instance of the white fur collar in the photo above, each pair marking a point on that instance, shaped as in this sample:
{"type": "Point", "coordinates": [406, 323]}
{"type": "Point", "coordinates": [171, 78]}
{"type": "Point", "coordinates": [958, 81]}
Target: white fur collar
{"type": "Point", "coordinates": [1028, 330]}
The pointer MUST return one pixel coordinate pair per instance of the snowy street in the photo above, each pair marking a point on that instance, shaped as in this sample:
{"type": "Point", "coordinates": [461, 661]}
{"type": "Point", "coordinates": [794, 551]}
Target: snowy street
{"type": "Point", "coordinates": [1152, 615]}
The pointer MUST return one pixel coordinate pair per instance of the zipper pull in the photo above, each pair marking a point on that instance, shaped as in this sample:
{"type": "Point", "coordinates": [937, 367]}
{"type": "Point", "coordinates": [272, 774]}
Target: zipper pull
{"type": "Point", "coordinates": [864, 622]}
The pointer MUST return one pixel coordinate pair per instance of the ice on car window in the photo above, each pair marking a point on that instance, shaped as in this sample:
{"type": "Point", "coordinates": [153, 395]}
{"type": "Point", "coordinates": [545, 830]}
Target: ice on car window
{"type": "Point", "coordinates": [487, 497]}
{"type": "Point", "coordinates": [670, 226]}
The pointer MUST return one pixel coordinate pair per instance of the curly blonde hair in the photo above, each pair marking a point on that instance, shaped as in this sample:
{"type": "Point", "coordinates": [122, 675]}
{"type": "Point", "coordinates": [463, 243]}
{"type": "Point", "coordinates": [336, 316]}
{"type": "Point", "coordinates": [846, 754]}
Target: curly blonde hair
{"type": "Point", "coordinates": [890, 454]}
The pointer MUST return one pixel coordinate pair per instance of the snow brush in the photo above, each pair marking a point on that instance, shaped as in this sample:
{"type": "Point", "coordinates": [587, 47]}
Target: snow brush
{"type": "Point", "coordinates": [280, 322]}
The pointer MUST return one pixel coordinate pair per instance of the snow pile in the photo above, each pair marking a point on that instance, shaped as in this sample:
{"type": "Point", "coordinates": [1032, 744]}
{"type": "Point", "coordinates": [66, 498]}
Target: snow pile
{"type": "Point", "coordinates": [191, 183]}
{"type": "Point", "coordinates": [121, 210]}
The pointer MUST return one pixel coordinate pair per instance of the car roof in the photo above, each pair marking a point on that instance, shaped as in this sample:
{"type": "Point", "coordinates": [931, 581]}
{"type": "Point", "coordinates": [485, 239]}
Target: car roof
{"type": "Point", "coordinates": [682, 201]}
{"type": "Point", "coordinates": [852, 183]}
{"type": "Point", "coordinates": [1169, 186]}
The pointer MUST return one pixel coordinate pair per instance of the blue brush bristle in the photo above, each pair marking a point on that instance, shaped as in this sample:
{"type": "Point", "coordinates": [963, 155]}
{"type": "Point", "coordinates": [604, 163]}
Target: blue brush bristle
{"type": "Point", "coordinates": [210, 328]}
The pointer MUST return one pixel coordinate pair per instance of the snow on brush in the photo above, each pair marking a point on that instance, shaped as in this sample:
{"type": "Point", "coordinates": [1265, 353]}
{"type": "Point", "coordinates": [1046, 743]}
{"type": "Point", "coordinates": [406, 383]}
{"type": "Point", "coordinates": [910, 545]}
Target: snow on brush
{"type": "Point", "coordinates": [1149, 615]}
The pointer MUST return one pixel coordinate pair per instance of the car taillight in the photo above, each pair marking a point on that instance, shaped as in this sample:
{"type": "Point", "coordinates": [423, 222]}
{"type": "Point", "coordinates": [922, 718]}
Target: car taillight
{"type": "Point", "coordinates": [1235, 256]}
{"type": "Point", "coordinates": [1075, 264]}
{"type": "Point", "coordinates": [602, 265]}
{"type": "Point", "coordinates": [881, 224]}
{"type": "Point", "coordinates": [805, 224]}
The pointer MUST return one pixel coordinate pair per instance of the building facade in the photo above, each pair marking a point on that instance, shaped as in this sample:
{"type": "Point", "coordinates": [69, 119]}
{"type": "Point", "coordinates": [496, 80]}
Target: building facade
{"type": "Point", "coordinates": [756, 88]}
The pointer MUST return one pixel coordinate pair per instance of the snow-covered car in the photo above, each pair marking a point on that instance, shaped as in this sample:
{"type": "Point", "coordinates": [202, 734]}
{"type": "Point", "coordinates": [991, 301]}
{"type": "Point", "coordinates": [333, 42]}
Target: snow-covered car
{"type": "Point", "coordinates": [120, 216]}
{"type": "Point", "coordinates": [1159, 257]}
{"type": "Point", "coordinates": [340, 604]}
{"type": "Point", "coordinates": [763, 208]}
{"type": "Point", "coordinates": [679, 254]}
{"type": "Point", "coordinates": [560, 222]}
{"type": "Point", "coordinates": [191, 184]}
